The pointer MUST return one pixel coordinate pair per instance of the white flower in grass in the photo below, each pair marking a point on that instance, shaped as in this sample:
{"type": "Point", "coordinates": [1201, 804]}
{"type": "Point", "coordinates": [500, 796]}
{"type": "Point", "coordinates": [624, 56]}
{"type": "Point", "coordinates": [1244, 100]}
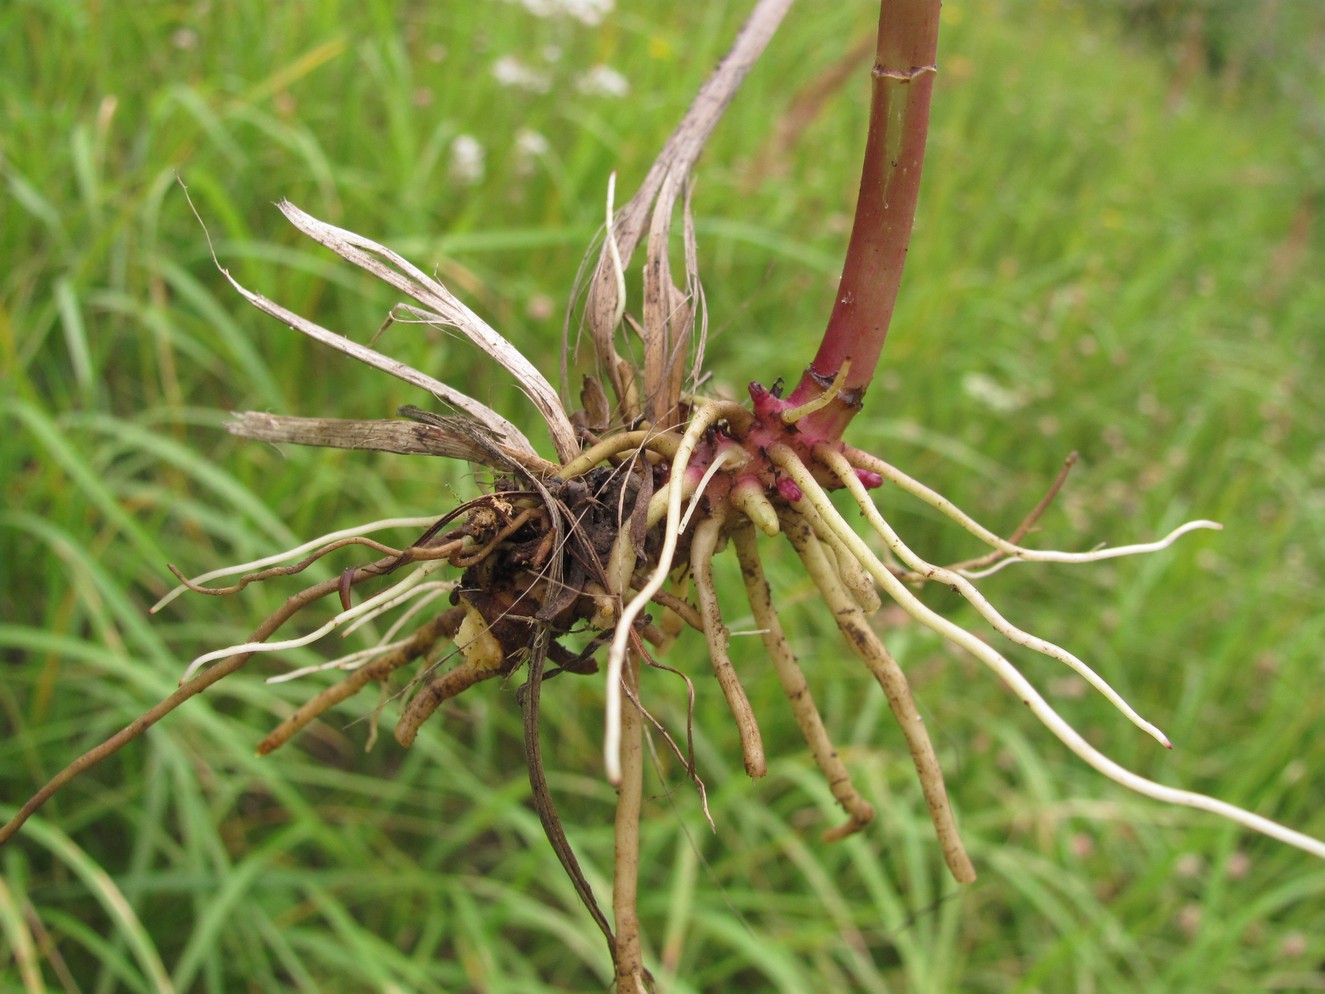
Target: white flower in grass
{"type": "Point", "coordinates": [590, 12]}
{"type": "Point", "coordinates": [603, 81]}
{"type": "Point", "coordinates": [988, 391]}
{"type": "Point", "coordinates": [531, 143]}
{"type": "Point", "coordinates": [467, 159]}
{"type": "Point", "coordinates": [510, 71]}
{"type": "Point", "coordinates": [530, 146]}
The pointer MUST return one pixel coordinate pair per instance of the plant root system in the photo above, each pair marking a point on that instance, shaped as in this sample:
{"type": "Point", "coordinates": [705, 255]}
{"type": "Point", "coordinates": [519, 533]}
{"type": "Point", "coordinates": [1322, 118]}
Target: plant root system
{"type": "Point", "coordinates": [597, 557]}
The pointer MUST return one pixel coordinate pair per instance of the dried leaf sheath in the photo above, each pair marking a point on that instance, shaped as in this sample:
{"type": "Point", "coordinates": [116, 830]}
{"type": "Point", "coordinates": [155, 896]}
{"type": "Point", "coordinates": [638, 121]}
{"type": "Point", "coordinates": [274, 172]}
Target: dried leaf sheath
{"type": "Point", "coordinates": [445, 309]}
{"type": "Point", "coordinates": [653, 205]}
{"type": "Point", "coordinates": [453, 438]}
{"type": "Point", "coordinates": [485, 415]}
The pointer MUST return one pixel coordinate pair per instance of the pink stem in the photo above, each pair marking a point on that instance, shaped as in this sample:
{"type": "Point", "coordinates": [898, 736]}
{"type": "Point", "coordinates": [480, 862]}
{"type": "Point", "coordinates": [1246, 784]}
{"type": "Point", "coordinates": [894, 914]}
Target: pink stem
{"type": "Point", "coordinates": [902, 81]}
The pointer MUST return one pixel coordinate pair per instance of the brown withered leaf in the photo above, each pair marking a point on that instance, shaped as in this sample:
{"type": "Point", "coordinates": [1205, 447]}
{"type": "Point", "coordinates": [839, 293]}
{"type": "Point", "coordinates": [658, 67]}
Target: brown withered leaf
{"type": "Point", "coordinates": [657, 196]}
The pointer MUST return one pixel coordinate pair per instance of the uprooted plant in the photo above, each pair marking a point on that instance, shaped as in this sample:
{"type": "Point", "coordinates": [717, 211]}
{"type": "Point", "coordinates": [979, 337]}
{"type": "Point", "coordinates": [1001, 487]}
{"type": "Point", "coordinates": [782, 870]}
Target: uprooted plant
{"type": "Point", "coordinates": [554, 568]}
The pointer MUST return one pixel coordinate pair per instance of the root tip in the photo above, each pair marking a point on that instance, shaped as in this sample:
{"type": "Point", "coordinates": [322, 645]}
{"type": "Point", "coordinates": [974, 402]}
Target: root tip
{"type": "Point", "coordinates": [869, 478]}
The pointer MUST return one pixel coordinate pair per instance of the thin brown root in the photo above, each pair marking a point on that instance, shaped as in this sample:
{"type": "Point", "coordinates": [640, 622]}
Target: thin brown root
{"type": "Point", "coordinates": [479, 553]}
{"type": "Point", "coordinates": [542, 795]}
{"type": "Point", "coordinates": [859, 811]}
{"type": "Point", "coordinates": [860, 636]}
{"type": "Point", "coordinates": [423, 553]}
{"type": "Point", "coordinates": [686, 758]}
{"type": "Point", "coordinates": [679, 606]}
{"type": "Point", "coordinates": [1027, 523]}
{"type": "Point", "coordinates": [629, 957]}
{"type": "Point", "coordinates": [275, 571]}
{"type": "Point", "coordinates": [702, 549]}
{"type": "Point", "coordinates": [444, 626]}
{"type": "Point", "coordinates": [190, 689]}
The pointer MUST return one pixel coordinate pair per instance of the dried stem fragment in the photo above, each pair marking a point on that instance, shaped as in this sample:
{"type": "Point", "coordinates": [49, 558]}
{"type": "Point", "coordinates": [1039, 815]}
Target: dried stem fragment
{"type": "Point", "coordinates": [655, 200]}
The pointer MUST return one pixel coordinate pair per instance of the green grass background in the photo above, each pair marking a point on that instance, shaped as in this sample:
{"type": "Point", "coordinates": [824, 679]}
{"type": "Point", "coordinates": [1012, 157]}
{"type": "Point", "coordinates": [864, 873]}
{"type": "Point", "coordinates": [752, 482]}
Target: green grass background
{"type": "Point", "coordinates": [1119, 251]}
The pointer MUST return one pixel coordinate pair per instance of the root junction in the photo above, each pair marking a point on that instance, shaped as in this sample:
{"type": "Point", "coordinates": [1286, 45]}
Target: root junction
{"type": "Point", "coordinates": [566, 563]}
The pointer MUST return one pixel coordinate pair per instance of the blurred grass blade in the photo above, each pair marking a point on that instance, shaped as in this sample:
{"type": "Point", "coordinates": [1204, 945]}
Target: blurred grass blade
{"type": "Point", "coordinates": [108, 895]}
{"type": "Point", "coordinates": [75, 337]}
{"type": "Point", "coordinates": [23, 948]}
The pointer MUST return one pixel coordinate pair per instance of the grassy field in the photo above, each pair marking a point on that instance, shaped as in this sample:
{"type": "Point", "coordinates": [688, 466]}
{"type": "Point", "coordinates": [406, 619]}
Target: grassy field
{"type": "Point", "coordinates": [1119, 252]}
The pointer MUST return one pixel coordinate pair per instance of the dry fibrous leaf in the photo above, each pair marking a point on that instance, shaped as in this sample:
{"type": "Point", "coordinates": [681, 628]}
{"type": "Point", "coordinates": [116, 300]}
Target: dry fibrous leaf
{"type": "Point", "coordinates": [653, 205]}
{"type": "Point", "coordinates": [441, 308]}
{"type": "Point", "coordinates": [450, 438]}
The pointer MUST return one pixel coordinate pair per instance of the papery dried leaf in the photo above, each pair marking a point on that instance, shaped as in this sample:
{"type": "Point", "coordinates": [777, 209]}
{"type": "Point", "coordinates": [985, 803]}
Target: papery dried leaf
{"type": "Point", "coordinates": [662, 318]}
{"type": "Point", "coordinates": [597, 410]}
{"type": "Point", "coordinates": [694, 291]}
{"type": "Point", "coordinates": [444, 309]}
{"type": "Point", "coordinates": [489, 418]}
{"type": "Point", "coordinates": [639, 513]}
{"type": "Point", "coordinates": [675, 161]}
{"type": "Point", "coordinates": [450, 438]}
{"type": "Point", "coordinates": [403, 437]}
{"type": "Point", "coordinates": [495, 454]}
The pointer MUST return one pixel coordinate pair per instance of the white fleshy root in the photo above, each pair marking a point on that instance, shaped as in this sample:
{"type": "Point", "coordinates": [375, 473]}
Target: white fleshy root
{"type": "Point", "coordinates": [389, 598]}
{"type": "Point", "coordinates": [299, 550]}
{"type": "Point", "coordinates": [421, 596]}
{"type": "Point", "coordinates": [1012, 677]}
{"type": "Point", "coordinates": [703, 418]}
{"type": "Point", "coordinates": [839, 465]}
{"type": "Point", "coordinates": [1015, 552]}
